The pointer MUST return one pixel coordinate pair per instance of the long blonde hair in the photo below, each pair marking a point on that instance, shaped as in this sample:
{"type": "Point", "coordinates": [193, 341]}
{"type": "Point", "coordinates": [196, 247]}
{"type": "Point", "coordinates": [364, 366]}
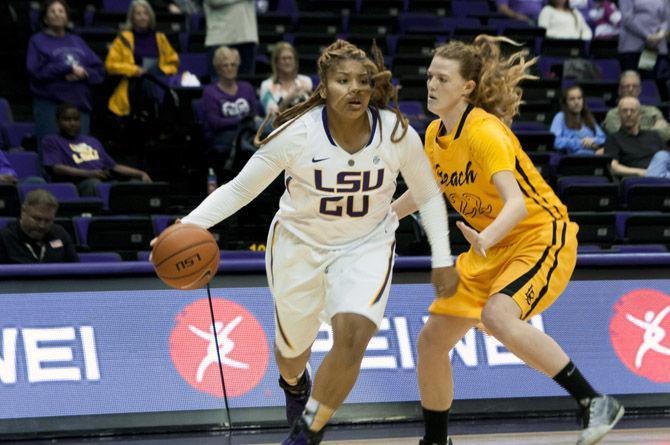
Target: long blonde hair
{"type": "Point", "coordinates": [382, 88]}
{"type": "Point", "coordinates": [496, 77]}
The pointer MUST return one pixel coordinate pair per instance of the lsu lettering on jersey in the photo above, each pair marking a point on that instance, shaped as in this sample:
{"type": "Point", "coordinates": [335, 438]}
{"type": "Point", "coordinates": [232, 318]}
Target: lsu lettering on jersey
{"type": "Point", "coordinates": [333, 198]}
{"type": "Point", "coordinates": [465, 160]}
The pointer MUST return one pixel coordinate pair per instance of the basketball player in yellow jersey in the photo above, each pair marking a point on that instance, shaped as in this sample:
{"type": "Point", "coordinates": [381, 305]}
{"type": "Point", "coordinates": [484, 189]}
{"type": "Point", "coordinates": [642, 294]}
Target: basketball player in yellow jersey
{"type": "Point", "coordinates": [523, 245]}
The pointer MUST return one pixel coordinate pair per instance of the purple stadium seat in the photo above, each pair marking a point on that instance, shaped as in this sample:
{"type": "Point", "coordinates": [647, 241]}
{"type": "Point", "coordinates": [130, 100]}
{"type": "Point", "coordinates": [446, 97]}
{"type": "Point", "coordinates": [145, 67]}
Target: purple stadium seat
{"type": "Point", "coordinates": [550, 67]}
{"type": "Point", "coordinates": [586, 193]}
{"type": "Point", "coordinates": [115, 5]}
{"type": "Point", "coordinates": [143, 255]}
{"type": "Point", "coordinates": [528, 126]}
{"type": "Point", "coordinates": [102, 190]}
{"type": "Point", "coordinates": [503, 25]}
{"type": "Point", "coordinates": [649, 94]}
{"type": "Point", "coordinates": [643, 227]}
{"type": "Point", "coordinates": [114, 232]}
{"type": "Point", "coordinates": [63, 191]}
{"type": "Point", "coordinates": [4, 220]}
{"type": "Point", "coordinates": [462, 8]}
{"type": "Point", "coordinates": [423, 23]}
{"type": "Point", "coordinates": [14, 132]}
{"type": "Point", "coordinates": [610, 69]}
{"type": "Point", "coordinates": [646, 193]}
{"type": "Point", "coordinates": [99, 257]}
{"type": "Point", "coordinates": [9, 200]}
{"type": "Point", "coordinates": [161, 222]}
{"type": "Point", "coordinates": [6, 116]}
{"type": "Point", "coordinates": [68, 197]}
{"type": "Point", "coordinates": [196, 63]}
{"type": "Point", "coordinates": [24, 162]}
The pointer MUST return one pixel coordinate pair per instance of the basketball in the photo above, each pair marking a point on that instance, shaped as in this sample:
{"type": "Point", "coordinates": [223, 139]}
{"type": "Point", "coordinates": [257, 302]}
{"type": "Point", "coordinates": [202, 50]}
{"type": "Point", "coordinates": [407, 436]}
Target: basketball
{"type": "Point", "coordinates": [185, 256]}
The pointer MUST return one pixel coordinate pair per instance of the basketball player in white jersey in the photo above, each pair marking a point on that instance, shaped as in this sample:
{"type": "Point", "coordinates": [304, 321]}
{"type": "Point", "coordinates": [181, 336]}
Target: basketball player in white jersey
{"type": "Point", "coordinates": [330, 248]}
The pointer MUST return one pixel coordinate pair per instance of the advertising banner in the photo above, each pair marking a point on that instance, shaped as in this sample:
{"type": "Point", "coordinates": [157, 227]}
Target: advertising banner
{"type": "Point", "coordinates": [82, 353]}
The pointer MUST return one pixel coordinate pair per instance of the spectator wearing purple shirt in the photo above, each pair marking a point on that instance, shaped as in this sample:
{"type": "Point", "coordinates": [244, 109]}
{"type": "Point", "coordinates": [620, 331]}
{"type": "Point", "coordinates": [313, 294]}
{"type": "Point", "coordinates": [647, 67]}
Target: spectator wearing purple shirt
{"type": "Point", "coordinates": [524, 10]}
{"type": "Point", "coordinates": [71, 156]}
{"type": "Point", "coordinates": [644, 25]}
{"type": "Point", "coordinates": [229, 107]}
{"type": "Point", "coordinates": [61, 68]}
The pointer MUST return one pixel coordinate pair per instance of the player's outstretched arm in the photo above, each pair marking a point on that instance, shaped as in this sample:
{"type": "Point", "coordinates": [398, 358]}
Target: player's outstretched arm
{"type": "Point", "coordinates": [404, 205]}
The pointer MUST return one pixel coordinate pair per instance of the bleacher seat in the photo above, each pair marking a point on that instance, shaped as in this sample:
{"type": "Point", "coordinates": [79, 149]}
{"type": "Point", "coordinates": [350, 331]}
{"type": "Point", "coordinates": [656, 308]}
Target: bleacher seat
{"type": "Point", "coordinates": [136, 197]}
{"type": "Point", "coordinates": [25, 163]}
{"type": "Point", "coordinates": [536, 140]}
{"type": "Point", "coordinates": [580, 165]}
{"type": "Point", "coordinates": [604, 48]}
{"type": "Point", "coordinates": [595, 227]}
{"type": "Point", "coordinates": [541, 90]}
{"type": "Point", "coordinates": [415, 44]}
{"type": "Point", "coordinates": [410, 239]}
{"type": "Point", "coordinates": [9, 200]}
{"type": "Point", "coordinates": [541, 112]}
{"type": "Point", "coordinates": [382, 7]}
{"type": "Point", "coordinates": [563, 47]}
{"type": "Point", "coordinates": [377, 26]}
{"type": "Point", "coordinates": [464, 8]}
{"type": "Point", "coordinates": [646, 193]}
{"type": "Point", "coordinates": [70, 203]}
{"type": "Point", "coordinates": [114, 233]}
{"type": "Point", "coordinates": [161, 222]}
{"type": "Point", "coordinates": [195, 63]}
{"type": "Point", "coordinates": [344, 7]}
{"type": "Point", "coordinates": [120, 6]}
{"type": "Point", "coordinates": [66, 223]}
{"type": "Point", "coordinates": [5, 220]}
{"type": "Point", "coordinates": [319, 23]}
{"type": "Point", "coordinates": [644, 227]}
{"type": "Point", "coordinates": [13, 133]}
{"type": "Point", "coordinates": [541, 161]}
{"type": "Point", "coordinates": [99, 257]}
{"type": "Point", "coordinates": [276, 23]}
{"type": "Point", "coordinates": [587, 193]}
{"type": "Point", "coordinates": [609, 69]}
{"type": "Point", "coordinates": [607, 91]}
{"type": "Point", "coordinates": [649, 94]}
{"type": "Point", "coordinates": [441, 8]}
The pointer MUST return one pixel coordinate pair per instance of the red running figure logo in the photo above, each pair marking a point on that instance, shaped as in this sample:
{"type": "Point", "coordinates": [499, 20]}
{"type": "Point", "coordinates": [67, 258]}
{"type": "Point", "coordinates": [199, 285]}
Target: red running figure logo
{"type": "Point", "coordinates": [243, 347]}
{"type": "Point", "coordinates": [639, 331]}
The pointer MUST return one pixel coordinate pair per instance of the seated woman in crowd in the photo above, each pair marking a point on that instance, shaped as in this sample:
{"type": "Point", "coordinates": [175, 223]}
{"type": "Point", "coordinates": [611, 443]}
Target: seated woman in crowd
{"type": "Point", "coordinates": [227, 104]}
{"type": "Point", "coordinates": [72, 157]}
{"type": "Point", "coordinates": [137, 51]}
{"type": "Point", "coordinates": [61, 68]}
{"type": "Point", "coordinates": [577, 133]}
{"type": "Point", "coordinates": [285, 87]}
{"type": "Point", "coordinates": [563, 22]}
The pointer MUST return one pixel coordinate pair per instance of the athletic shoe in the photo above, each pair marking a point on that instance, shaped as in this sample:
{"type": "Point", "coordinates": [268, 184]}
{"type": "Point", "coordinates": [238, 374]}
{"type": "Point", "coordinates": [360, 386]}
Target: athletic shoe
{"type": "Point", "coordinates": [423, 442]}
{"type": "Point", "coordinates": [301, 434]}
{"type": "Point", "coordinates": [599, 416]}
{"type": "Point", "coordinates": [296, 396]}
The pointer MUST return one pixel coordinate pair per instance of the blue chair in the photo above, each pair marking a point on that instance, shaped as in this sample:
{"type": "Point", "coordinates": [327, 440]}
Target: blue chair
{"type": "Point", "coordinates": [99, 257]}
{"type": "Point", "coordinates": [25, 163]}
{"type": "Point", "coordinates": [646, 193]}
{"type": "Point", "coordinates": [587, 193]}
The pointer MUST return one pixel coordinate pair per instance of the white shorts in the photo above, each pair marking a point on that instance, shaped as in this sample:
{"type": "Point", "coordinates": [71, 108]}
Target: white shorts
{"type": "Point", "coordinates": [311, 285]}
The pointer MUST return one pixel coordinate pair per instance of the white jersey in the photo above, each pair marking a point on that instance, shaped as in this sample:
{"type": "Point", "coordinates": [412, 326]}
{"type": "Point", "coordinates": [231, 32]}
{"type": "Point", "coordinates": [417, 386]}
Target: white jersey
{"type": "Point", "coordinates": [333, 198]}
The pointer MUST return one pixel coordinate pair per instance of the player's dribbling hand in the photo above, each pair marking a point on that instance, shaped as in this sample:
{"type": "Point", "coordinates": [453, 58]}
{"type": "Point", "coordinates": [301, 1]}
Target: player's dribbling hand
{"type": "Point", "coordinates": [473, 237]}
{"type": "Point", "coordinates": [153, 241]}
{"type": "Point", "coordinates": [445, 280]}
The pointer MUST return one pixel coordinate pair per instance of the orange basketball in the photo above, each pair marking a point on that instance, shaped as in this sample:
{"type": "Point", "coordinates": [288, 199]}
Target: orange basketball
{"type": "Point", "coordinates": [185, 256]}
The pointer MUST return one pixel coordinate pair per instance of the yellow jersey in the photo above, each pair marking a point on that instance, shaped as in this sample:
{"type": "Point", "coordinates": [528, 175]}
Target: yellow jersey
{"type": "Point", "coordinates": [465, 160]}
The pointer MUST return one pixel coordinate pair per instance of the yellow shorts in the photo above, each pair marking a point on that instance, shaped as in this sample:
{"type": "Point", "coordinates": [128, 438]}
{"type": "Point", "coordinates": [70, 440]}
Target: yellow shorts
{"type": "Point", "coordinates": [533, 271]}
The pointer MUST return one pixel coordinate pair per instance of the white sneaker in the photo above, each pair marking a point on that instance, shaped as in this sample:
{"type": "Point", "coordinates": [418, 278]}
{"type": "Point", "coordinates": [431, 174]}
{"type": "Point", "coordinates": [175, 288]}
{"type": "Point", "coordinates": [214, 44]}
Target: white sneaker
{"type": "Point", "coordinates": [600, 416]}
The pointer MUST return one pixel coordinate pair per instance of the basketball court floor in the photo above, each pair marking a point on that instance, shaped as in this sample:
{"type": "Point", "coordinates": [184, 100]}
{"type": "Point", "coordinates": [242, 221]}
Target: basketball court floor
{"type": "Point", "coordinates": [630, 431]}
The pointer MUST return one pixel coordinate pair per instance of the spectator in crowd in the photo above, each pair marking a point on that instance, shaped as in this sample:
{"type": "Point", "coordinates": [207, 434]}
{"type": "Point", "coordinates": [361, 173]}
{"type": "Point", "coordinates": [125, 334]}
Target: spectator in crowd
{"type": "Point", "coordinates": [61, 68]}
{"type": "Point", "coordinates": [606, 19]}
{"type": "Point", "coordinates": [233, 23]}
{"type": "Point", "coordinates": [524, 10]}
{"type": "Point", "coordinates": [285, 87]}
{"type": "Point", "coordinates": [8, 174]}
{"type": "Point", "coordinates": [636, 152]}
{"type": "Point", "coordinates": [576, 131]}
{"type": "Point", "coordinates": [651, 118]}
{"type": "Point", "coordinates": [644, 26]}
{"type": "Point", "coordinates": [563, 22]}
{"type": "Point", "coordinates": [139, 53]}
{"type": "Point", "coordinates": [72, 157]}
{"type": "Point", "coordinates": [34, 238]}
{"type": "Point", "coordinates": [227, 103]}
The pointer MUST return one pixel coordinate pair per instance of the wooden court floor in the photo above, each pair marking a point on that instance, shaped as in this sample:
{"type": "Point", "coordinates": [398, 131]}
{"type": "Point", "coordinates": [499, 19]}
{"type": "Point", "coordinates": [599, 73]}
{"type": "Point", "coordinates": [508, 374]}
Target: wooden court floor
{"type": "Point", "coordinates": [655, 436]}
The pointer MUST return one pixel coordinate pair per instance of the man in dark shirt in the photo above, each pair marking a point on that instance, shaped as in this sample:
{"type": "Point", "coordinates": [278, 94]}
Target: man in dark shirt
{"type": "Point", "coordinates": [35, 238]}
{"type": "Point", "coordinates": [635, 152]}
